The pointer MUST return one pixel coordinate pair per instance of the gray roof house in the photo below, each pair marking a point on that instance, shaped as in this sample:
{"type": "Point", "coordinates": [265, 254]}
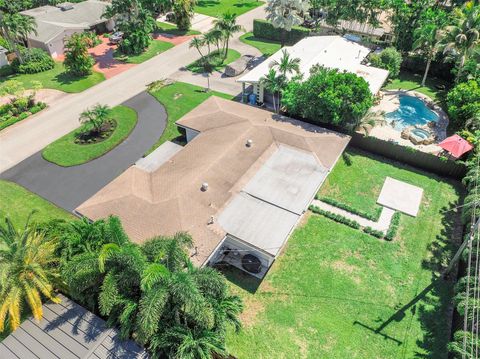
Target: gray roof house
{"type": "Point", "coordinates": [67, 331]}
{"type": "Point", "coordinates": [55, 23]}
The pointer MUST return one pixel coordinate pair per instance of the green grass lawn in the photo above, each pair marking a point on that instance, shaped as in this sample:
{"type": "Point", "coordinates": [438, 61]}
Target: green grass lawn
{"type": "Point", "coordinates": [216, 8]}
{"type": "Point", "coordinates": [266, 47]}
{"type": "Point", "coordinates": [332, 283]}
{"type": "Point", "coordinates": [58, 79]}
{"type": "Point", "coordinates": [65, 152]}
{"type": "Point", "coordinates": [17, 203]}
{"type": "Point", "coordinates": [218, 64]}
{"type": "Point", "coordinates": [410, 81]}
{"type": "Point", "coordinates": [179, 98]}
{"type": "Point", "coordinates": [171, 29]}
{"type": "Point", "coordinates": [156, 47]}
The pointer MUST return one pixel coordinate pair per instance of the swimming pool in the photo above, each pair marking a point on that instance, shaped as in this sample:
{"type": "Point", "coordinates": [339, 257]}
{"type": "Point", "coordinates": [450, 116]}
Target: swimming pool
{"type": "Point", "coordinates": [412, 111]}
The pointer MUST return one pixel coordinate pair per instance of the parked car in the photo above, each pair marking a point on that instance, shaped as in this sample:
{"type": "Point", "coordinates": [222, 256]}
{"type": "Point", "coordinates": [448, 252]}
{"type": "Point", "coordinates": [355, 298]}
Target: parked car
{"type": "Point", "coordinates": [116, 37]}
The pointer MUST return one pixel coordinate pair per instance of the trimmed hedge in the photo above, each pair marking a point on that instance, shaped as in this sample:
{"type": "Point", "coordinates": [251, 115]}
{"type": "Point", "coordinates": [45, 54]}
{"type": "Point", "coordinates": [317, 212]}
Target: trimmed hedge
{"type": "Point", "coordinates": [393, 229]}
{"type": "Point", "coordinates": [373, 232]}
{"type": "Point", "coordinates": [348, 208]}
{"type": "Point", "coordinates": [264, 29]}
{"type": "Point", "coordinates": [336, 217]}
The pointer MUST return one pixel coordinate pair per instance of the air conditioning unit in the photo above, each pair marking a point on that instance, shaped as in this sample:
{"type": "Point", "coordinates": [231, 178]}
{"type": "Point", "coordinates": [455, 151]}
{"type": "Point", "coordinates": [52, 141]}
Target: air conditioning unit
{"type": "Point", "coordinates": [65, 6]}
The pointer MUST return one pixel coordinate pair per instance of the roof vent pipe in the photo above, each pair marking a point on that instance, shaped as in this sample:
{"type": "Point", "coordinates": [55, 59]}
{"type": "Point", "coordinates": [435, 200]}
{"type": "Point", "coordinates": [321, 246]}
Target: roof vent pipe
{"type": "Point", "coordinates": [204, 186]}
{"type": "Point", "coordinates": [249, 143]}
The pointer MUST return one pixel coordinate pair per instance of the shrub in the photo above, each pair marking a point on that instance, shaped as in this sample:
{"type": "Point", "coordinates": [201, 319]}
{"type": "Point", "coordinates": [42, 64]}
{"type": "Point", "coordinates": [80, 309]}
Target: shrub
{"type": "Point", "coordinates": [373, 232]}
{"type": "Point", "coordinates": [77, 59]}
{"type": "Point", "coordinates": [335, 217]}
{"type": "Point", "coordinates": [264, 29]}
{"type": "Point", "coordinates": [6, 70]}
{"type": "Point", "coordinates": [23, 116]}
{"type": "Point", "coordinates": [389, 59]}
{"type": "Point", "coordinates": [348, 208]}
{"type": "Point", "coordinates": [463, 103]}
{"type": "Point", "coordinates": [38, 107]}
{"type": "Point", "coordinates": [34, 61]}
{"type": "Point", "coordinates": [393, 229]}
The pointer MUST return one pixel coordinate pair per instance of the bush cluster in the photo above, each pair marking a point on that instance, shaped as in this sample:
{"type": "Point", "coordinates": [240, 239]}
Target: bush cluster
{"type": "Point", "coordinates": [373, 232]}
{"type": "Point", "coordinates": [348, 208]}
{"type": "Point", "coordinates": [393, 229]}
{"type": "Point", "coordinates": [34, 61]}
{"type": "Point", "coordinates": [11, 113]}
{"type": "Point", "coordinates": [389, 59]}
{"type": "Point", "coordinates": [265, 30]}
{"type": "Point", "coordinates": [336, 217]}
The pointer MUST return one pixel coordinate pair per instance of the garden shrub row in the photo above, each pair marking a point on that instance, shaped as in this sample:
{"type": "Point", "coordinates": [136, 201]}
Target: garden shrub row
{"type": "Point", "coordinates": [373, 232]}
{"type": "Point", "coordinates": [393, 229]}
{"type": "Point", "coordinates": [35, 60]}
{"type": "Point", "coordinates": [8, 119]}
{"type": "Point", "coordinates": [336, 217]}
{"type": "Point", "coordinates": [265, 30]}
{"type": "Point", "coordinates": [348, 208]}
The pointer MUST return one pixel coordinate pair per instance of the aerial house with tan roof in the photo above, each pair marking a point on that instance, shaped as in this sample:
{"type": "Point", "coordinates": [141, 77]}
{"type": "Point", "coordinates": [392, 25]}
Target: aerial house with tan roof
{"type": "Point", "coordinates": [239, 186]}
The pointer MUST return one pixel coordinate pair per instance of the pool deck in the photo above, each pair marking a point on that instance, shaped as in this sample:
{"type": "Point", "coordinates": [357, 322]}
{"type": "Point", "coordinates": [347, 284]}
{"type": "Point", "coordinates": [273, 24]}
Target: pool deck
{"type": "Point", "coordinates": [389, 103]}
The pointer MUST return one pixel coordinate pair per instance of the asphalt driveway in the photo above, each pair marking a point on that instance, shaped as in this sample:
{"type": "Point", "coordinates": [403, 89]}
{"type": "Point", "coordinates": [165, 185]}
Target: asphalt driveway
{"type": "Point", "coordinates": [68, 187]}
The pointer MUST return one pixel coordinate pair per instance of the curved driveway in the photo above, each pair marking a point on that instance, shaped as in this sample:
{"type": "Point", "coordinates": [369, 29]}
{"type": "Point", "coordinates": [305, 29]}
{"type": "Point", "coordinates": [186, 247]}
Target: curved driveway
{"type": "Point", "coordinates": [68, 187]}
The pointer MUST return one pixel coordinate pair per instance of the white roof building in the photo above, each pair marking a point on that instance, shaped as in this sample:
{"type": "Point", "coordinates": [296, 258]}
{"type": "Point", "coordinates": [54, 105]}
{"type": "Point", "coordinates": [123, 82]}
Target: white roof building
{"type": "Point", "coordinates": [333, 52]}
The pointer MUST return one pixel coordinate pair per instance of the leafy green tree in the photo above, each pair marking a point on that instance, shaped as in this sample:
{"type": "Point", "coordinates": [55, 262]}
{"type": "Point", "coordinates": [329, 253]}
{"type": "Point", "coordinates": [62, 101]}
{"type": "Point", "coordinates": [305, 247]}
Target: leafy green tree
{"type": "Point", "coordinates": [184, 11]}
{"type": "Point", "coordinates": [15, 28]}
{"type": "Point", "coordinates": [95, 117]}
{"type": "Point", "coordinates": [463, 103]}
{"type": "Point", "coordinates": [28, 271]}
{"type": "Point", "coordinates": [285, 14]}
{"type": "Point", "coordinates": [227, 26]}
{"type": "Point", "coordinates": [77, 59]}
{"type": "Point", "coordinates": [426, 42]}
{"type": "Point", "coordinates": [329, 96]}
{"type": "Point", "coordinates": [461, 40]}
{"type": "Point", "coordinates": [389, 59]}
{"type": "Point", "coordinates": [273, 83]}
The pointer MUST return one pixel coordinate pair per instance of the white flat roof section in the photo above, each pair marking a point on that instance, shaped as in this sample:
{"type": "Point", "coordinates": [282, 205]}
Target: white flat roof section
{"type": "Point", "coordinates": [158, 157]}
{"type": "Point", "coordinates": [400, 196]}
{"type": "Point", "coordinates": [257, 223]}
{"type": "Point", "coordinates": [289, 179]}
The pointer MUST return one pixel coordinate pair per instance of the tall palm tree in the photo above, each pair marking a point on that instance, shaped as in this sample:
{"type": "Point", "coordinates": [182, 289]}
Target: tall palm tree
{"type": "Point", "coordinates": [273, 83]}
{"type": "Point", "coordinates": [286, 14]}
{"type": "Point", "coordinates": [460, 41]}
{"type": "Point", "coordinates": [27, 271]}
{"type": "Point", "coordinates": [16, 28]}
{"type": "Point", "coordinates": [427, 39]}
{"type": "Point", "coordinates": [197, 43]}
{"type": "Point", "coordinates": [227, 24]}
{"type": "Point", "coordinates": [287, 64]}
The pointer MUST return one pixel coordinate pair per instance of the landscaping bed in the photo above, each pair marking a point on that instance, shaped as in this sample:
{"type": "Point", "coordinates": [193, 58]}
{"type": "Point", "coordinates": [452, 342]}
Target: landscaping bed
{"type": "Point", "coordinates": [216, 60]}
{"type": "Point", "coordinates": [335, 288]}
{"type": "Point", "coordinates": [266, 47]}
{"type": "Point", "coordinates": [68, 151]}
{"type": "Point", "coordinates": [8, 119]}
{"type": "Point", "coordinates": [156, 47]}
{"type": "Point", "coordinates": [216, 8]}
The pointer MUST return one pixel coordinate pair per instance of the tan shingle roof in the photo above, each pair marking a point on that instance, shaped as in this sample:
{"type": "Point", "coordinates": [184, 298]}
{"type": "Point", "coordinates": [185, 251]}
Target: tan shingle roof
{"type": "Point", "coordinates": [169, 199]}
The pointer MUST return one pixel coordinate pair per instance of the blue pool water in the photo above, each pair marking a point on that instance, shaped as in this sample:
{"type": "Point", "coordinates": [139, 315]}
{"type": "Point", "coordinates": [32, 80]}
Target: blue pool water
{"type": "Point", "coordinates": [412, 111]}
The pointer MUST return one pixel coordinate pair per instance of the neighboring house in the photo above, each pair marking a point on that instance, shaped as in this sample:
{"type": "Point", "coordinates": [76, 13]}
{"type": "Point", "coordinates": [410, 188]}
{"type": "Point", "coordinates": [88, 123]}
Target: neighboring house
{"type": "Point", "coordinates": [56, 23]}
{"type": "Point", "coordinates": [68, 331]}
{"type": "Point", "coordinates": [334, 52]}
{"type": "Point", "coordinates": [239, 186]}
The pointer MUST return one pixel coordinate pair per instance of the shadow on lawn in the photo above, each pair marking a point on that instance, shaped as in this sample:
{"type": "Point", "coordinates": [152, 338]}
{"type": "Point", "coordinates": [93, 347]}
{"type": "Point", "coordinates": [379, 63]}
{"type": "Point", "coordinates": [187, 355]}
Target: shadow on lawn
{"type": "Point", "coordinates": [236, 276]}
{"type": "Point", "coordinates": [67, 79]}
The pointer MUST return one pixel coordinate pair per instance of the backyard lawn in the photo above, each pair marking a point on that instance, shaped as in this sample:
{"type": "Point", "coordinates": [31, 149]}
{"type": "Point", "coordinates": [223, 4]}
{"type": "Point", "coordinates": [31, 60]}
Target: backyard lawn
{"type": "Point", "coordinates": [65, 152]}
{"type": "Point", "coordinates": [336, 292]}
{"type": "Point", "coordinates": [156, 47]}
{"type": "Point", "coordinates": [58, 79]}
{"type": "Point", "coordinates": [216, 8]}
{"type": "Point", "coordinates": [410, 81]}
{"type": "Point", "coordinates": [171, 29]}
{"type": "Point", "coordinates": [217, 63]}
{"type": "Point", "coordinates": [266, 47]}
{"type": "Point", "coordinates": [17, 203]}
{"type": "Point", "coordinates": [179, 98]}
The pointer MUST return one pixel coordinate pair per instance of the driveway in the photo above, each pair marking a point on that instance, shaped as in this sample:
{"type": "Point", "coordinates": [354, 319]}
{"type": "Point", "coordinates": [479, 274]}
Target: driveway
{"type": "Point", "coordinates": [68, 187]}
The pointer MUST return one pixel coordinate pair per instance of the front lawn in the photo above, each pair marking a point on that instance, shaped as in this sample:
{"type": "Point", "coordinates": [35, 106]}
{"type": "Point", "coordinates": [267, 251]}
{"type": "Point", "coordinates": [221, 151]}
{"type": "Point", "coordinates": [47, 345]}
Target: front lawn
{"type": "Point", "coordinates": [266, 47]}
{"type": "Point", "coordinates": [171, 29]}
{"type": "Point", "coordinates": [216, 8]}
{"type": "Point", "coordinates": [217, 63]}
{"type": "Point", "coordinates": [17, 203]}
{"type": "Point", "coordinates": [58, 79]}
{"type": "Point", "coordinates": [179, 98]}
{"type": "Point", "coordinates": [336, 292]}
{"type": "Point", "coordinates": [65, 152]}
{"type": "Point", "coordinates": [155, 48]}
{"type": "Point", "coordinates": [410, 81]}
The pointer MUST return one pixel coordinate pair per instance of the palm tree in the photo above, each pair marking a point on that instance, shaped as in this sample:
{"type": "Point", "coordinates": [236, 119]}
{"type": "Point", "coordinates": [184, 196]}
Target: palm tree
{"type": "Point", "coordinates": [95, 117]}
{"type": "Point", "coordinates": [286, 14]}
{"type": "Point", "coordinates": [426, 41]}
{"type": "Point", "coordinates": [273, 83]}
{"type": "Point", "coordinates": [287, 64]}
{"type": "Point", "coordinates": [227, 24]}
{"type": "Point", "coordinates": [27, 272]}
{"type": "Point", "coordinates": [14, 28]}
{"type": "Point", "coordinates": [460, 41]}
{"type": "Point", "coordinates": [197, 43]}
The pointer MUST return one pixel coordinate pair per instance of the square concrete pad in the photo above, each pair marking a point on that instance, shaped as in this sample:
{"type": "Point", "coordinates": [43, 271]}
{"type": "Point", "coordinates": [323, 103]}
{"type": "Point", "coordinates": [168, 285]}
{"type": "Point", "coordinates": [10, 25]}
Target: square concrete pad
{"type": "Point", "coordinates": [400, 196]}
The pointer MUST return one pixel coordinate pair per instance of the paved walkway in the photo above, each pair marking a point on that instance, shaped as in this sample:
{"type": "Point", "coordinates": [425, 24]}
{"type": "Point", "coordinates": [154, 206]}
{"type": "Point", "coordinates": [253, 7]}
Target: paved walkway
{"type": "Point", "coordinates": [382, 224]}
{"type": "Point", "coordinates": [31, 135]}
{"type": "Point", "coordinates": [68, 187]}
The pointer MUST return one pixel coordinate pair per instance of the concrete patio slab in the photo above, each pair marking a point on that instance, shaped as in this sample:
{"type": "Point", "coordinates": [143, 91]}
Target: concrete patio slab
{"type": "Point", "coordinates": [400, 196]}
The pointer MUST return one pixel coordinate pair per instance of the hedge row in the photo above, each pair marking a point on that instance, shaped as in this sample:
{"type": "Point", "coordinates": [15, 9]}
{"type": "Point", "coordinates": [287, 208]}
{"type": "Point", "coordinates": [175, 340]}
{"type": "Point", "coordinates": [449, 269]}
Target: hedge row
{"type": "Point", "coordinates": [393, 229]}
{"type": "Point", "coordinates": [336, 217]}
{"type": "Point", "coordinates": [373, 232]}
{"type": "Point", "coordinates": [348, 208]}
{"type": "Point", "coordinates": [264, 29]}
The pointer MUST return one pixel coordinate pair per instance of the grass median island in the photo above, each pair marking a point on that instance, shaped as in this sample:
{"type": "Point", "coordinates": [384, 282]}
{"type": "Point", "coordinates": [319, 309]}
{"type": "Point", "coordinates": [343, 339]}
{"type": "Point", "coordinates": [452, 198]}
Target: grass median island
{"type": "Point", "coordinates": [334, 286]}
{"type": "Point", "coordinates": [266, 47]}
{"type": "Point", "coordinates": [217, 61]}
{"type": "Point", "coordinates": [216, 8]}
{"type": "Point", "coordinates": [65, 152]}
{"type": "Point", "coordinates": [58, 79]}
{"type": "Point", "coordinates": [178, 99]}
{"type": "Point", "coordinates": [155, 48]}
{"type": "Point", "coordinates": [171, 29]}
